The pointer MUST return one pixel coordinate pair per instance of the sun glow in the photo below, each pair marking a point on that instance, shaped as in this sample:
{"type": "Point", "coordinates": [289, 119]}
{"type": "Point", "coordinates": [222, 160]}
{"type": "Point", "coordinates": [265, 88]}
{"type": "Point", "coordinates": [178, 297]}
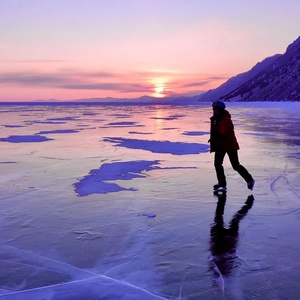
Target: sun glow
{"type": "Point", "coordinates": [159, 91]}
{"type": "Point", "coordinates": [159, 87]}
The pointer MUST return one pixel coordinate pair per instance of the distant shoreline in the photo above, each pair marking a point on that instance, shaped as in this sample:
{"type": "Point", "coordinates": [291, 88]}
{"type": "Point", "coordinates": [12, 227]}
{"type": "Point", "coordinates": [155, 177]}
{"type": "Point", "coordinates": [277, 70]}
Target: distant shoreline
{"type": "Point", "coordinates": [61, 103]}
{"type": "Point", "coordinates": [99, 103]}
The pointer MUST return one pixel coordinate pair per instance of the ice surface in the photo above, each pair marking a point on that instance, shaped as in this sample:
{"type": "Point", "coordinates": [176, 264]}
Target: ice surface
{"type": "Point", "coordinates": [116, 202]}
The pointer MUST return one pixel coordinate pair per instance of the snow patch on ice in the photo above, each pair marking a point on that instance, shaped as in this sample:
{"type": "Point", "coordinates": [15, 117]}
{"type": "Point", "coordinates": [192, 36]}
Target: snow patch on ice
{"type": "Point", "coordinates": [25, 139]}
{"type": "Point", "coordinates": [95, 182]}
{"type": "Point", "coordinates": [169, 128]}
{"type": "Point", "coordinates": [175, 148]}
{"type": "Point", "coordinates": [137, 132]}
{"type": "Point", "coordinates": [122, 123]}
{"type": "Point", "coordinates": [13, 126]}
{"type": "Point", "coordinates": [119, 115]}
{"type": "Point", "coordinates": [45, 122]}
{"type": "Point", "coordinates": [58, 131]}
{"type": "Point", "coordinates": [63, 119]}
{"type": "Point", "coordinates": [195, 133]}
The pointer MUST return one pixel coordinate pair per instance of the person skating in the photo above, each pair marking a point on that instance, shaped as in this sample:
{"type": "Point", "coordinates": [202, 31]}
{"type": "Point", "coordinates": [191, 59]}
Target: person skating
{"type": "Point", "coordinates": [223, 141]}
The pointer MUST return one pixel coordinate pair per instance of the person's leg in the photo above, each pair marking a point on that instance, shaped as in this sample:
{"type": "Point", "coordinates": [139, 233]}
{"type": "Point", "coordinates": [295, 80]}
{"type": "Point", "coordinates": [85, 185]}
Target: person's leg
{"type": "Point", "coordinates": [219, 158]}
{"type": "Point", "coordinates": [234, 159]}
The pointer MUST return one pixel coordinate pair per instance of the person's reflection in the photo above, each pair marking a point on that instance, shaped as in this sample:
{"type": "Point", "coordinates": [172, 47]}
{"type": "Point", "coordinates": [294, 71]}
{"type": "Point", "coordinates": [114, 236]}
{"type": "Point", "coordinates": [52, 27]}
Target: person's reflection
{"type": "Point", "coordinates": [224, 240]}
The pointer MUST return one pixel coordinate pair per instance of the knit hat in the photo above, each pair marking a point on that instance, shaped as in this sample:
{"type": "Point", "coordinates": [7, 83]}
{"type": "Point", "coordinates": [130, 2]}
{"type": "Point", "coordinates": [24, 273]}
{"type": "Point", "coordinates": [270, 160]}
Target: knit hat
{"type": "Point", "coordinates": [219, 104]}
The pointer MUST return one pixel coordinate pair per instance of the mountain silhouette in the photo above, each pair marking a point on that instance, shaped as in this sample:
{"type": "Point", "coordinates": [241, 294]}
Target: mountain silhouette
{"type": "Point", "coordinates": [276, 78]}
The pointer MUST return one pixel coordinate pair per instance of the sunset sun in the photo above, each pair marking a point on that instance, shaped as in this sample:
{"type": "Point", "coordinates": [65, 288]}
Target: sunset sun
{"type": "Point", "coordinates": [159, 87]}
{"type": "Point", "coordinates": [159, 91]}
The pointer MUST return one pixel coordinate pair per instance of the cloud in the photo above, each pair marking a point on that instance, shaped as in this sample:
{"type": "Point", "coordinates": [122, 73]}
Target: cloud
{"type": "Point", "coordinates": [91, 86]}
{"type": "Point", "coordinates": [50, 79]}
{"type": "Point", "coordinates": [61, 79]}
{"type": "Point", "coordinates": [26, 79]}
{"type": "Point", "coordinates": [74, 80]}
{"type": "Point", "coordinates": [206, 80]}
{"type": "Point", "coordinates": [120, 87]}
{"type": "Point", "coordinates": [217, 78]}
{"type": "Point", "coordinates": [142, 82]}
{"type": "Point", "coordinates": [193, 84]}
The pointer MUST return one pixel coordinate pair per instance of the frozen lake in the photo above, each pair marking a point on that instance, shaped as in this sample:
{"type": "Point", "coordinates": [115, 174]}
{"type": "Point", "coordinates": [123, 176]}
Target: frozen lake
{"type": "Point", "coordinates": [116, 202]}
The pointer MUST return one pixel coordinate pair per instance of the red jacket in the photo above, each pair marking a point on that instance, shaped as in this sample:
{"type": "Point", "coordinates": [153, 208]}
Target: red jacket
{"type": "Point", "coordinates": [222, 136]}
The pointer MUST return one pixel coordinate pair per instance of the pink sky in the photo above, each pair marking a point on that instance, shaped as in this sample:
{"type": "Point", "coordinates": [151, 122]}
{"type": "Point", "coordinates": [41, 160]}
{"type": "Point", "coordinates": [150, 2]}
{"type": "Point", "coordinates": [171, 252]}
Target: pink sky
{"type": "Point", "coordinates": [71, 49]}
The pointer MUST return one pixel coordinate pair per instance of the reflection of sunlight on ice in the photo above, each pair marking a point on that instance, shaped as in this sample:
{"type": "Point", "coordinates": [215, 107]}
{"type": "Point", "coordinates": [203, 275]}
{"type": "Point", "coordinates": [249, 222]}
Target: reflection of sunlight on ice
{"type": "Point", "coordinates": [159, 114]}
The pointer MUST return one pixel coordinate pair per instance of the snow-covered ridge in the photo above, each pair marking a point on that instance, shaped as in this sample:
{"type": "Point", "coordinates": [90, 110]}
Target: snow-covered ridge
{"type": "Point", "coordinates": [276, 78]}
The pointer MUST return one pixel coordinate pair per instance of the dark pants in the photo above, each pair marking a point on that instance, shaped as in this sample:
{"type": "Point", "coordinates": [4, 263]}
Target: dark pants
{"type": "Point", "coordinates": [234, 160]}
